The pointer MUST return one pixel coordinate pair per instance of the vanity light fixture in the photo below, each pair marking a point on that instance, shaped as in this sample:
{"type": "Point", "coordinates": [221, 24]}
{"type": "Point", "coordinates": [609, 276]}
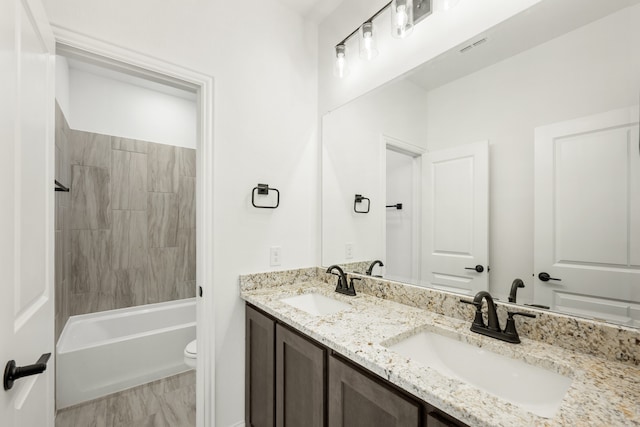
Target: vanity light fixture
{"type": "Point", "coordinates": [401, 18]}
{"type": "Point", "coordinates": [341, 67]}
{"type": "Point", "coordinates": [368, 49]}
{"type": "Point", "coordinates": [404, 15]}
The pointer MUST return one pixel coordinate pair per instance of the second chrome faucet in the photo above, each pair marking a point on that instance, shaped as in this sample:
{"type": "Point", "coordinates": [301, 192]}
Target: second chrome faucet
{"type": "Point", "coordinates": [492, 328]}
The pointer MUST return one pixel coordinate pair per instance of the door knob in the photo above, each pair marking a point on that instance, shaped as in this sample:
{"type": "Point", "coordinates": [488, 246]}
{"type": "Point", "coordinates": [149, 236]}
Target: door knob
{"type": "Point", "coordinates": [13, 372]}
{"type": "Point", "coordinates": [545, 277]}
{"type": "Point", "coordinates": [477, 268]}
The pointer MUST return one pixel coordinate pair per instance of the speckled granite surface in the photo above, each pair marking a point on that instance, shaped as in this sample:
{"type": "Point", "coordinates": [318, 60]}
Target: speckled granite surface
{"type": "Point", "coordinates": [600, 339]}
{"type": "Point", "coordinates": [603, 392]}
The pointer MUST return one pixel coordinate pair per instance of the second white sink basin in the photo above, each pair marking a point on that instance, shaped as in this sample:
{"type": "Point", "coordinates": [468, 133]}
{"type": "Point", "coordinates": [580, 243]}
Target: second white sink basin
{"type": "Point", "coordinates": [316, 304]}
{"type": "Point", "coordinates": [532, 388]}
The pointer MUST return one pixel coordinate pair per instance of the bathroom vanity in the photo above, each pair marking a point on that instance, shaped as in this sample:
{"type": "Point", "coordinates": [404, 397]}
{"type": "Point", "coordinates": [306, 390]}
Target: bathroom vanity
{"type": "Point", "coordinates": [319, 385]}
{"type": "Point", "coordinates": [343, 368]}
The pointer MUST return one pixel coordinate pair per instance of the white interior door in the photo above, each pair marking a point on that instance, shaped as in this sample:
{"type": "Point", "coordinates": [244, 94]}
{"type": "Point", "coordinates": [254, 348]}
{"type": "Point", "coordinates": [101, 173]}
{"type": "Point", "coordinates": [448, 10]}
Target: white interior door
{"type": "Point", "coordinates": [402, 234]}
{"type": "Point", "coordinates": [26, 212]}
{"type": "Point", "coordinates": [587, 216]}
{"type": "Point", "coordinates": [457, 218]}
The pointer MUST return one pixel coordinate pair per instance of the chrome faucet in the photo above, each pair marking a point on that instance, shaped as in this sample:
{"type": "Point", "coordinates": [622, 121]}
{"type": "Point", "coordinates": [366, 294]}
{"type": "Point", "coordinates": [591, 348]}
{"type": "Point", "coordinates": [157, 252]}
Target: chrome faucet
{"type": "Point", "coordinates": [492, 329]}
{"type": "Point", "coordinates": [373, 264]}
{"type": "Point", "coordinates": [342, 286]}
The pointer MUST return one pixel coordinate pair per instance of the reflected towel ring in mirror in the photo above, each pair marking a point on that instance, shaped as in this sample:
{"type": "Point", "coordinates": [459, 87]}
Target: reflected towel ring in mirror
{"type": "Point", "coordinates": [359, 199]}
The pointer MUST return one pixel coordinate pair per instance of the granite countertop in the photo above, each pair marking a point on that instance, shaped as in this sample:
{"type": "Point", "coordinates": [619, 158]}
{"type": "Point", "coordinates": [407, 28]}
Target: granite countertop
{"type": "Point", "coordinates": [602, 393]}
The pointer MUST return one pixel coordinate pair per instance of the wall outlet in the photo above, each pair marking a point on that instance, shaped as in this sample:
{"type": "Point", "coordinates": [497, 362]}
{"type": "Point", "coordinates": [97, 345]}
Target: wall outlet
{"type": "Point", "coordinates": [348, 251]}
{"type": "Point", "coordinates": [275, 256]}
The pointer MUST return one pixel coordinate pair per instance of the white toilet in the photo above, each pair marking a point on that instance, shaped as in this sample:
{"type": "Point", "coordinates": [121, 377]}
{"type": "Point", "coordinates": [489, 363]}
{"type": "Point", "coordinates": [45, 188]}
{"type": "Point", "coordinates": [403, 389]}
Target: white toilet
{"type": "Point", "coordinates": [190, 354]}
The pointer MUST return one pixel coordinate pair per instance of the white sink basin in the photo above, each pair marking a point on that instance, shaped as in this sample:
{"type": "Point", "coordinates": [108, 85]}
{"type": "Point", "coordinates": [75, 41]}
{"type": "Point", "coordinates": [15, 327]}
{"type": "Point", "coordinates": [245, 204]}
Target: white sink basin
{"type": "Point", "coordinates": [316, 304]}
{"type": "Point", "coordinates": [532, 388]}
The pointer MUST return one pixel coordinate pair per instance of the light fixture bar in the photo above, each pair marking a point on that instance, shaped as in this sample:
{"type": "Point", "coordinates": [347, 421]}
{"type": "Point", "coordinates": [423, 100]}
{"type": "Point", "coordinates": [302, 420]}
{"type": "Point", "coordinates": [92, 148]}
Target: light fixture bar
{"type": "Point", "coordinates": [405, 14]}
{"type": "Point", "coordinates": [421, 9]}
{"type": "Point", "coordinates": [374, 16]}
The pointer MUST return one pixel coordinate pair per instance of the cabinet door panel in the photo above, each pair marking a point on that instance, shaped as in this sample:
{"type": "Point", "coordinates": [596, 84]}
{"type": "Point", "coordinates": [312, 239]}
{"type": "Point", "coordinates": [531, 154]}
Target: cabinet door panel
{"type": "Point", "coordinates": [300, 384]}
{"type": "Point", "coordinates": [355, 400]}
{"type": "Point", "coordinates": [259, 369]}
{"type": "Point", "coordinates": [435, 419]}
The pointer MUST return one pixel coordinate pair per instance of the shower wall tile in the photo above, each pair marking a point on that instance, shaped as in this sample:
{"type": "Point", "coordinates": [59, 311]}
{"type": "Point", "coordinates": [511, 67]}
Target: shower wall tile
{"type": "Point", "coordinates": [163, 168]}
{"type": "Point", "coordinates": [187, 289]}
{"type": "Point", "coordinates": [62, 255]}
{"type": "Point", "coordinates": [187, 200]}
{"type": "Point", "coordinates": [57, 213]}
{"type": "Point", "coordinates": [130, 287]}
{"type": "Point", "coordinates": [91, 261]}
{"type": "Point", "coordinates": [162, 284]}
{"type": "Point", "coordinates": [89, 149]}
{"type": "Point", "coordinates": [127, 229]}
{"type": "Point", "coordinates": [90, 198]}
{"type": "Point", "coordinates": [66, 236]}
{"type": "Point", "coordinates": [187, 162]}
{"type": "Point", "coordinates": [91, 302]}
{"type": "Point", "coordinates": [128, 180]}
{"type": "Point", "coordinates": [58, 280]}
{"type": "Point", "coordinates": [162, 212]}
{"type": "Point", "coordinates": [58, 163]}
{"type": "Point", "coordinates": [129, 244]}
{"type": "Point", "coordinates": [58, 257]}
{"type": "Point", "coordinates": [187, 255]}
{"type": "Point", "coordinates": [126, 144]}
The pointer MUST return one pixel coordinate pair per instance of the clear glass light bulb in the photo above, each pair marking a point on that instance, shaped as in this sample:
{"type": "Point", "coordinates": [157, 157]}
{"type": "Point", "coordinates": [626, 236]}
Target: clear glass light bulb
{"type": "Point", "coordinates": [341, 67]}
{"type": "Point", "coordinates": [368, 49]}
{"type": "Point", "coordinates": [401, 18]}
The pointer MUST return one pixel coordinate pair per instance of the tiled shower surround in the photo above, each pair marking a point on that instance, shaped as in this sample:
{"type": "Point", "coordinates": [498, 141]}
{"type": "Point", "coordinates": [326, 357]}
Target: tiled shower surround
{"type": "Point", "coordinates": [125, 234]}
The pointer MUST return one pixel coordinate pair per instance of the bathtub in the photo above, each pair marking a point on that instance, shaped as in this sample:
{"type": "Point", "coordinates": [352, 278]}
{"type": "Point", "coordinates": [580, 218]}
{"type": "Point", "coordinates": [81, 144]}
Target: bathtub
{"type": "Point", "coordinates": [110, 351]}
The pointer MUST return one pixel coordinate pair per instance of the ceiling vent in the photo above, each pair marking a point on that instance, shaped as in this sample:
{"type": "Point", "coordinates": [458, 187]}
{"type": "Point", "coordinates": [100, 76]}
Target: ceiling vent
{"type": "Point", "coordinates": [472, 45]}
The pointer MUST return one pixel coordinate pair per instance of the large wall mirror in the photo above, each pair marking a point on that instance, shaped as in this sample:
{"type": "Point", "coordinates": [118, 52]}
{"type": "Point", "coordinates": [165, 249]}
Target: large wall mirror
{"type": "Point", "coordinates": [515, 155]}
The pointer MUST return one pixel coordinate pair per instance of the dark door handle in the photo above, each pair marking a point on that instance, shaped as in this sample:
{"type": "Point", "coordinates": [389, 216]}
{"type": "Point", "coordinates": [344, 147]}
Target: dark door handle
{"type": "Point", "coordinates": [545, 277]}
{"type": "Point", "coordinates": [477, 268]}
{"type": "Point", "coordinates": [13, 372]}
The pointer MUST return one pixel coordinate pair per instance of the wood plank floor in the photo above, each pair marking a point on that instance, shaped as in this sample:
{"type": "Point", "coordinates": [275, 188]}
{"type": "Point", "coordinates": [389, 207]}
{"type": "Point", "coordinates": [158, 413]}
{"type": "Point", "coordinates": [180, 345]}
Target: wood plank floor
{"type": "Point", "coordinates": [169, 402]}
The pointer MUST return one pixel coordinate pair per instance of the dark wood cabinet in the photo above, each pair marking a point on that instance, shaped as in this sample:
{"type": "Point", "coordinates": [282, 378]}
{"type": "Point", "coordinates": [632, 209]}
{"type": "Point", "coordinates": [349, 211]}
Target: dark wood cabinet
{"type": "Point", "coordinates": [259, 369]}
{"type": "Point", "coordinates": [294, 381]}
{"type": "Point", "coordinates": [355, 400]}
{"type": "Point", "coordinates": [436, 418]}
{"type": "Point", "coordinates": [300, 380]}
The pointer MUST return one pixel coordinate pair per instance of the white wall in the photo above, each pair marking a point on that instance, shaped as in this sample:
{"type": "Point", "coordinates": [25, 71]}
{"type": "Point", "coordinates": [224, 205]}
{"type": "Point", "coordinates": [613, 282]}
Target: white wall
{"type": "Point", "coordinates": [111, 103]}
{"type": "Point", "coordinates": [62, 85]}
{"type": "Point", "coordinates": [105, 105]}
{"type": "Point", "coordinates": [352, 163]}
{"type": "Point", "coordinates": [263, 59]}
{"type": "Point", "coordinates": [436, 34]}
{"type": "Point", "coordinates": [593, 69]}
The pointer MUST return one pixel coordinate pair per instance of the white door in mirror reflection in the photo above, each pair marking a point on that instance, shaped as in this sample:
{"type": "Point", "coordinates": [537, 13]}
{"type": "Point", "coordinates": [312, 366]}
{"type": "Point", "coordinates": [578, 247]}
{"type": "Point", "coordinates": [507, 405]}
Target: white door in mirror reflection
{"type": "Point", "coordinates": [456, 207]}
{"type": "Point", "coordinates": [587, 216]}
{"type": "Point", "coordinates": [403, 176]}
